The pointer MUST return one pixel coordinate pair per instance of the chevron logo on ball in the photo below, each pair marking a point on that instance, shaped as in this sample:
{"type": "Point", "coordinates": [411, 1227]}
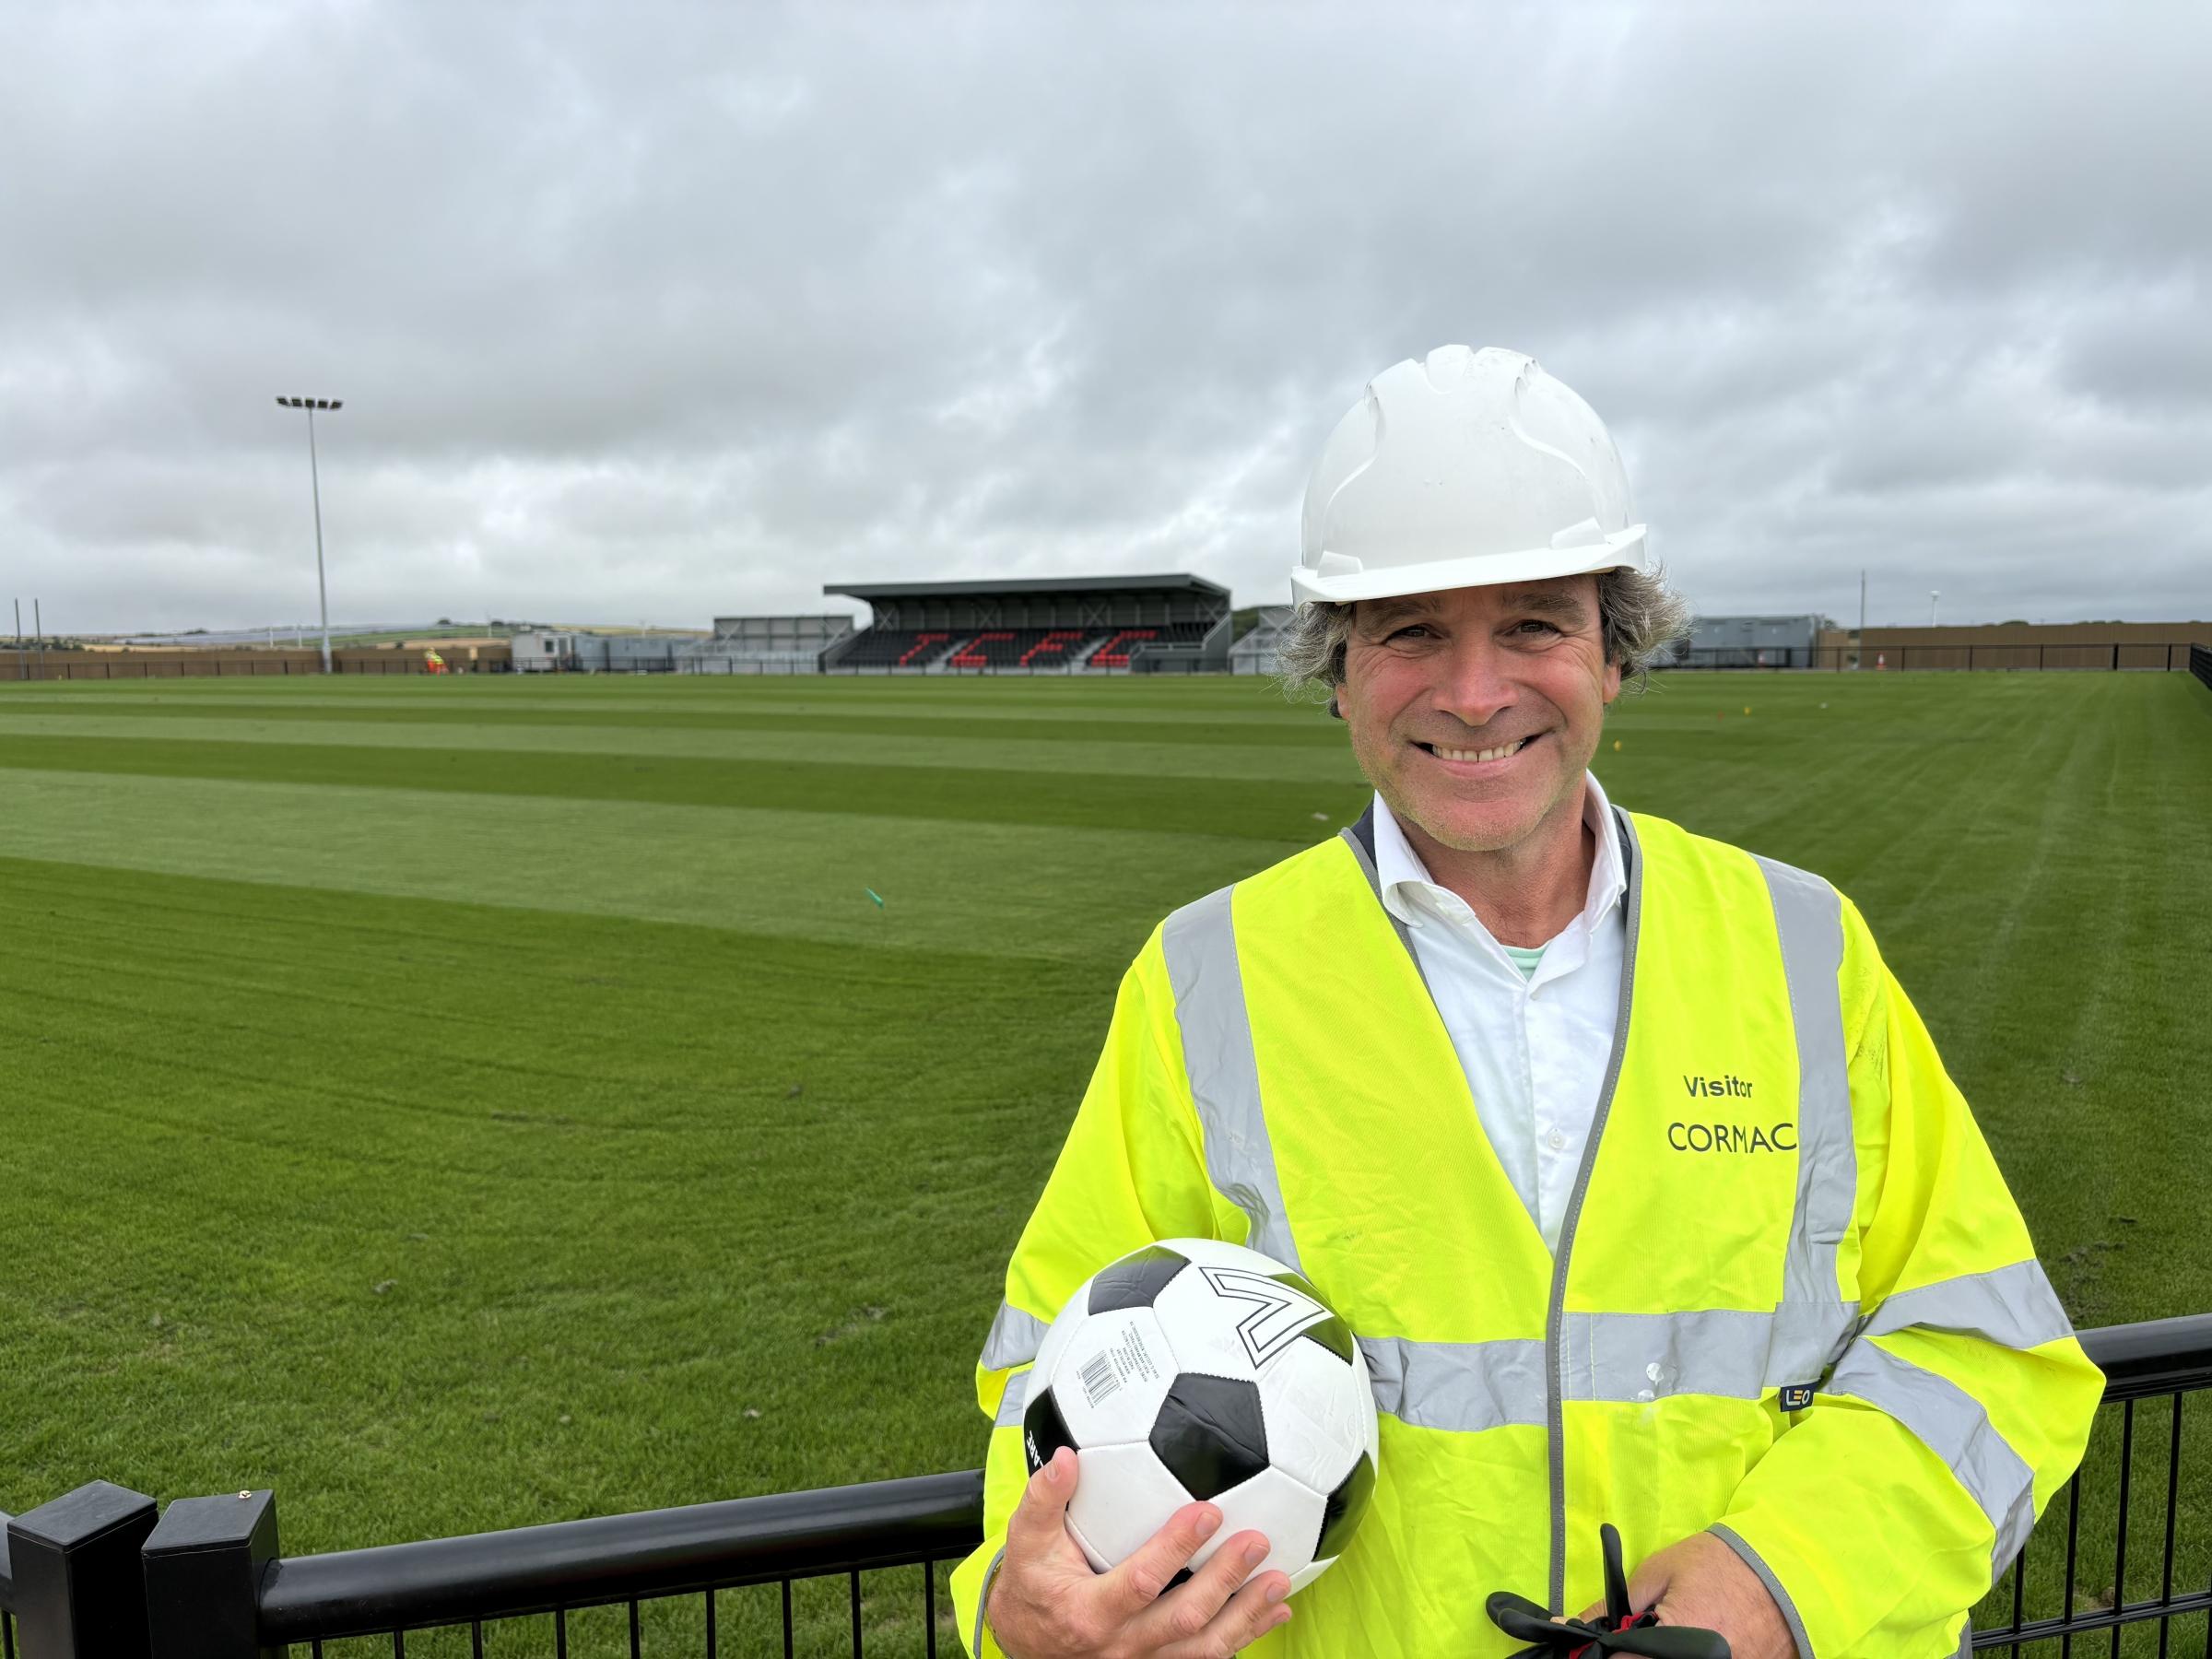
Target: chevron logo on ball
{"type": "Point", "coordinates": [1283, 1315]}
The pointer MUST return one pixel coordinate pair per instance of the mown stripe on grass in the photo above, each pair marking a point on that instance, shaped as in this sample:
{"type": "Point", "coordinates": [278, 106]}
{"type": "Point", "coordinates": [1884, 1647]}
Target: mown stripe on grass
{"type": "Point", "coordinates": [1016, 889]}
{"type": "Point", "coordinates": [1275, 811]}
{"type": "Point", "coordinates": [588, 701]}
{"type": "Point", "coordinates": [1012, 751]}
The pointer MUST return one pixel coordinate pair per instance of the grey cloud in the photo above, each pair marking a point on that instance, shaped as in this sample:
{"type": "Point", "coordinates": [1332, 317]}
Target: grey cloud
{"type": "Point", "coordinates": [679, 311]}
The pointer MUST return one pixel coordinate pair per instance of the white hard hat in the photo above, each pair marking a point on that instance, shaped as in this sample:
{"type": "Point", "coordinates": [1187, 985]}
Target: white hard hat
{"type": "Point", "coordinates": [1468, 468]}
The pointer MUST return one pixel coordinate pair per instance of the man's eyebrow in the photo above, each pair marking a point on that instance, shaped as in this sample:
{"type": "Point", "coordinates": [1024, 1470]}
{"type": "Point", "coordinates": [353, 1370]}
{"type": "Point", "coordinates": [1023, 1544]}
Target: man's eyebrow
{"type": "Point", "coordinates": [1548, 602]}
{"type": "Point", "coordinates": [1374, 614]}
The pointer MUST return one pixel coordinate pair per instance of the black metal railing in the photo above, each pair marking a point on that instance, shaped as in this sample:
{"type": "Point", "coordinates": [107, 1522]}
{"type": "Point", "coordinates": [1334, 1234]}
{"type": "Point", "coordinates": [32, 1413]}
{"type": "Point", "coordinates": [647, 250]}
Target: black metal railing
{"type": "Point", "coordinates": [860, 1568]}
{"type": "Point", "coordinates": [2164, 1360]}
{"type": "Point", "coordinates": [2200, 663]}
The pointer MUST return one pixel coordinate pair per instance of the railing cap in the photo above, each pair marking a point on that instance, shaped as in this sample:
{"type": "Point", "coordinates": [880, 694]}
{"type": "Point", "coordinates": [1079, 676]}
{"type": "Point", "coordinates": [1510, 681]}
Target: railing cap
{"type": "Point", "coordinates": [196, 1523]}
{"type": "Point", "coordinates": [96, 1507]}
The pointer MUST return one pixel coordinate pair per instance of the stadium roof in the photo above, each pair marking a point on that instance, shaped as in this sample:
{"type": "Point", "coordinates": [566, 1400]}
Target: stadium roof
{"type": "Point", "coordinates": [1037, 584]}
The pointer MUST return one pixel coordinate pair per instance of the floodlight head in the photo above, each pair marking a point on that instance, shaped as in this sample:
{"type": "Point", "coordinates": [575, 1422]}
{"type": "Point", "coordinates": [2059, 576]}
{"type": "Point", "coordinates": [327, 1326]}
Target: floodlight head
{"type": "Point", "coordinates": [282, 401]}
{"type": "Point", "coordinates": [338, 403]}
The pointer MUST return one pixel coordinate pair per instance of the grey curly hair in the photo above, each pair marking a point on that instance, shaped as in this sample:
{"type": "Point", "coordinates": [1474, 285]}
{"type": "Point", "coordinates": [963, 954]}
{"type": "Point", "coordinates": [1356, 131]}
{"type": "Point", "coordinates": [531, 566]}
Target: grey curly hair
{"type": "Point", "coordinates": [1637, 613]}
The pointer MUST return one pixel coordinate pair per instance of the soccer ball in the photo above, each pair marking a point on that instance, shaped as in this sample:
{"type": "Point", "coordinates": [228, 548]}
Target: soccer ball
{"type": "Point", "coordinates": [1194, 1370]}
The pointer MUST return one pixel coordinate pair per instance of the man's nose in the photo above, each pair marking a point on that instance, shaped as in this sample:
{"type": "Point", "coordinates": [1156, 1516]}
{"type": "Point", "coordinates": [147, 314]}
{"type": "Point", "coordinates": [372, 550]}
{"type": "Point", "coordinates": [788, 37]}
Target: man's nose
{"type": "Point", "coordinates": [1473, 683]}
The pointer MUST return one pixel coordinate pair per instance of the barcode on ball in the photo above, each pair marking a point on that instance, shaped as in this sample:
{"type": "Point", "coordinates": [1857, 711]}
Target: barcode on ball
{"type": "Point", "coordinates": [1099, 1378]}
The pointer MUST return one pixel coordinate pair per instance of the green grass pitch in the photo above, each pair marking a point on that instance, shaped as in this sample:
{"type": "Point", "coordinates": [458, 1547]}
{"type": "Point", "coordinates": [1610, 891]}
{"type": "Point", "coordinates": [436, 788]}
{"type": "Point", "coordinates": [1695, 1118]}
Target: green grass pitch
{"type": "Point", "coordinates": [469, 1103]}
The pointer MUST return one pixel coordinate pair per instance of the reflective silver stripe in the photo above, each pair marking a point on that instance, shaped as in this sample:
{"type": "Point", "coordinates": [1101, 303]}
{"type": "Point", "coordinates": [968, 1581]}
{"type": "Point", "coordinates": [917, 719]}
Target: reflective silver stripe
{"type": "Point", "coordinates": [983, 1599]}
{"type": "Point", "coordinates": [1626, 1357]}
{"type": "Point", "coordinates": [1014, 1401]}
{"type": "Point", "coordinates": [1775, 1586]}
{"type": "Point", "coordinates": [1952, 1424]}
{"type": "Point", "coordinates": [2014, 1307]}
{"type": "Point", "coordinates": [1738, 1353]}
{"type": "Point", "coordinates": [1467, 1387]}
{"type": "Point", "coordinates": [1729, 1351]}
{"type": "Point", "coordinates": [1200, 944]}
{"type": "Point", "coordinates": [1014, 1339]}
{"type": "Point", "coordinates": [1809, 915]}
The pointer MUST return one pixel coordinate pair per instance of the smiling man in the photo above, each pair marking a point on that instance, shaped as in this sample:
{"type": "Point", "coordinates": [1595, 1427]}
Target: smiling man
{"type": "Point", "coordinates": [1626, 1156]}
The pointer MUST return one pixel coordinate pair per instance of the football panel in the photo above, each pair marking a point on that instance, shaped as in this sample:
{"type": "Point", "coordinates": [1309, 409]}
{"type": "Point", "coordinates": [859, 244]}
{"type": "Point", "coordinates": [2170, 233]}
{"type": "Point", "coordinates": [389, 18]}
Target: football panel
{"type": "Point", "coordinates": [1346, 1505]}
{"type": "Point", "coordinates": [1112, 1376]}
{"type": "Point", "coordinates": [1306, 1575]}
{"type": "Point", "coordinates": [1062, 1332]}
{"type": "Point", "coordinates": [1332, 1333]}
{"type": "Point", "coordinates": [1320, 1414]}
{"type": "Point", "coordinates": [1123, 1497]}
{"type": "Point", "coordinates": [1091, 1553]}
{"type": "Point", "coordinates": [1136, 1280]}
{"type": "Point", "coordinates": [1234, 1322]}
{"type": "Point", "coordinates": [1211, 1432]}
{"type": "Point", "coordinates": [1286, 1511]}
{"type": "Point", "coordinates": [1219, 1253]}
{"type": "Point", "coordinates": [1044, 1429]}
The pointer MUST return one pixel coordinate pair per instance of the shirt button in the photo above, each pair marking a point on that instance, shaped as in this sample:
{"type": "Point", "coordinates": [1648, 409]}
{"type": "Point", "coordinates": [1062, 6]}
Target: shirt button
{"type": "Point", "coordinates": [1556, 1141]}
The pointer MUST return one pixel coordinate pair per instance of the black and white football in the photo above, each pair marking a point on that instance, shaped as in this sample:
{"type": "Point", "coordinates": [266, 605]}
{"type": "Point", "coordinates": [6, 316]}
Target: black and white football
{"type": "Point", "coordinates": [1194, 1370]}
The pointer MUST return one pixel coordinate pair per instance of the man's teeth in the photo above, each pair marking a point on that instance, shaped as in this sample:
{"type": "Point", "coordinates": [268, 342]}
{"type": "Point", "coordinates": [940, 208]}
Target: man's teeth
{"type": "Point", "coordinates": [1490, 754]}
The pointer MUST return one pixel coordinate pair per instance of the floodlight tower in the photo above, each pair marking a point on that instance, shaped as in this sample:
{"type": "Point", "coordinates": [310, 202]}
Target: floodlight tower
{"type": "Point", "coordinates": [1934, 594]}
{"type": "Point", "coordinates": [315, 481]}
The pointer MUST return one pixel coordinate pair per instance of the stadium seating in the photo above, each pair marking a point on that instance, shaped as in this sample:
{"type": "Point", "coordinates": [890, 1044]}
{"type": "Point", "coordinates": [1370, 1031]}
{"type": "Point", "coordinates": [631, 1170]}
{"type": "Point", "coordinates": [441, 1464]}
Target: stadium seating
{"type": "Point", "coordinates": [898, 648]}
{"type": "Point", "coordinates": [970, 649]}
{"type": "Point", "coordinates": [1115, 654]}
{"type": "Point", "coordinates": [1026, 647]}
{"type": "Point", "coordinates": [994, 648]}
{"type": "Point", "coordinates": [1059, 647]}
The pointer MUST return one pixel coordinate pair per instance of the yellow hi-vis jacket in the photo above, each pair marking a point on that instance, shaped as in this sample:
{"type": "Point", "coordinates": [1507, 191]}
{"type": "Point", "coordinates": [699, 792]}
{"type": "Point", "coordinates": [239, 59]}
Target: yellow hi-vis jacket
{"type": "Point", "coordinates": [1793, 1302]}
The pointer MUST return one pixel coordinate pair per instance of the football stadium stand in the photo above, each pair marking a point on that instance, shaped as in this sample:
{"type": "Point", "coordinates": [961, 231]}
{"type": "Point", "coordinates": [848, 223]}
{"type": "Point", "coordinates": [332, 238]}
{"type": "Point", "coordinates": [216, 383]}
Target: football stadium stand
{"type": "Point", "coordinates": [765, 644]}
{"type": "Point", "coordinates": [1057, 625]}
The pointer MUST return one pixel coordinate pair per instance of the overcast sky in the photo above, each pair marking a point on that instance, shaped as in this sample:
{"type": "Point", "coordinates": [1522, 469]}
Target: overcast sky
{"type": "Point", "coordinates": [660, 314]}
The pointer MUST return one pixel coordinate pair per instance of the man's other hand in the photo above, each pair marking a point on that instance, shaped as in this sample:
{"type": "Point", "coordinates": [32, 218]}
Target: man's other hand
{"type": "Point", "coordinates": [1046, 1602]}
{"type": "Point", "coordinates": [1701, 1581]}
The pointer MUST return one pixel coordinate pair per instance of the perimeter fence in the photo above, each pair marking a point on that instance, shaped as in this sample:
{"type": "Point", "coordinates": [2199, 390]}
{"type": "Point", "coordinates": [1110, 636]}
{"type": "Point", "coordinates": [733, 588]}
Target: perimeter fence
{"type": "Point", "coordinates": [2107, 656]}
{"type": "Point", "coordinates": [2200, 663]}
{"type": "Point", "coordinates": [2123, 1552]}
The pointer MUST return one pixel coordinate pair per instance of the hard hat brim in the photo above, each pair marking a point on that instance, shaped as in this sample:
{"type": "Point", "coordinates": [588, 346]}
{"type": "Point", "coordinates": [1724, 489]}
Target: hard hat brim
{"type": "Point", "coordinates": [1622, 549]}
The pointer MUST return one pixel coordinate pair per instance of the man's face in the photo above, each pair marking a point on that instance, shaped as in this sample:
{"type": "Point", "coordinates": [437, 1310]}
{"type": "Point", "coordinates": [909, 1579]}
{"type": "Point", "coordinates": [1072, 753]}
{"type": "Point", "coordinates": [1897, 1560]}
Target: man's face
{"type": "Point", "coordinates": [1435, 679]}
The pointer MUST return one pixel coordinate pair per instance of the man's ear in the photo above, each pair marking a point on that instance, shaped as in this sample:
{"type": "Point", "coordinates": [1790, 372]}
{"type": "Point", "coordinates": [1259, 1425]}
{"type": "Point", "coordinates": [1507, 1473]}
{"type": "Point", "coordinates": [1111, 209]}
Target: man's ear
{"type": "Point", "coordinates": [1336, 713]}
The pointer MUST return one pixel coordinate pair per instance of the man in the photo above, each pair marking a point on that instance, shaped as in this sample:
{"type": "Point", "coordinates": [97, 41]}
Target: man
{"type": "Point", "coordinates": [1624, 1155]}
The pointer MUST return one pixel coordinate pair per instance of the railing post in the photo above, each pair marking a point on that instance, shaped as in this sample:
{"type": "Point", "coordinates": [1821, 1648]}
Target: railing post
{"type": "Point", "coordinates": [78, 1593]}
{"type": "Point", "coordinates": [203, 1567]}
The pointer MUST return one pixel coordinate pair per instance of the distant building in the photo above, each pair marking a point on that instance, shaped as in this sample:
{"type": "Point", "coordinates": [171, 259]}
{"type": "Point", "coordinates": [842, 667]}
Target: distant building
{"type": "Point", "coordinates": [544, 651]}
{"type": "Point", "coordinates": [766, 645]}
{"type": "Point", "coordinates": [1255, 653]}
{"type": "Point", "coordinates": [1754, 641]}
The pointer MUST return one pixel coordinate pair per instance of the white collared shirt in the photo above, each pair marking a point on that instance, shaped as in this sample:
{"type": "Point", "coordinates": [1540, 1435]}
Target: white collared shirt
{"type": "Point", "coordinates": [1535, 1049]}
